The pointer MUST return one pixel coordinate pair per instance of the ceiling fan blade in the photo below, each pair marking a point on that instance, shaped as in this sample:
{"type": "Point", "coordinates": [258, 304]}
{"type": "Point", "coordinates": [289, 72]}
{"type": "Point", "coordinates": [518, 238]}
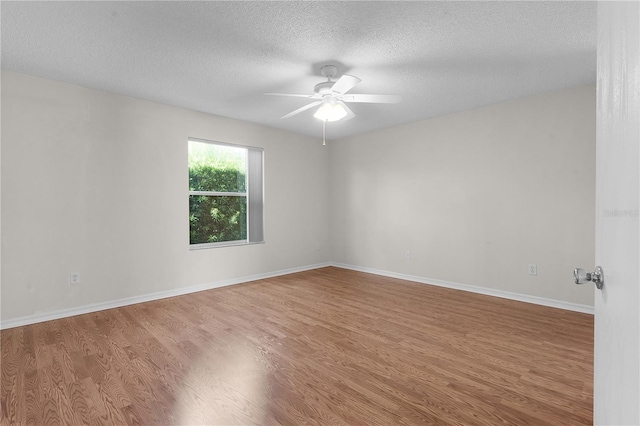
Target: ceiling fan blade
{"type": "Point", "coordinates": [289, 94]}
{"type": "Point", "coordinates": [304, 108]}
{"type": "Point", "coordinates": [345, 83]}
{"type": "Point", "coordinates": [375, 99]}
{"type": "Point", "coordinates": [350, 113]}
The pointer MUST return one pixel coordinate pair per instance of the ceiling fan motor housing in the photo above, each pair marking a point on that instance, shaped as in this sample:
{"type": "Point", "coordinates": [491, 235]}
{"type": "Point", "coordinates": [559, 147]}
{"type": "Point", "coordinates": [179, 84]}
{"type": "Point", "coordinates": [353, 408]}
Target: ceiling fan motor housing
{"type": "Point", "coordinates": [324, 88]}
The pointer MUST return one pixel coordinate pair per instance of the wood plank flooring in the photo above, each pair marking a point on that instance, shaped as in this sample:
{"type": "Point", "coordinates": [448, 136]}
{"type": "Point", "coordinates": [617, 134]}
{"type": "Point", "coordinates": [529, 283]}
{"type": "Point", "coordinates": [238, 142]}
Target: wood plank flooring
{"type": "Point", "coordinates": [323, 347]}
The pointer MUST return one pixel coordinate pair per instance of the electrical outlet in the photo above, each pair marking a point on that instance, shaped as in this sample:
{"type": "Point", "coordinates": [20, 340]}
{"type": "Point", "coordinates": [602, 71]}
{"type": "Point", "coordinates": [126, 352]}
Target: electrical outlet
{"type": "Point", "coordinates": [533, 269]}
{"type": "Point", "coordinates": [407, 254]}
{"type": "Point", "coordinates": [74, 278]}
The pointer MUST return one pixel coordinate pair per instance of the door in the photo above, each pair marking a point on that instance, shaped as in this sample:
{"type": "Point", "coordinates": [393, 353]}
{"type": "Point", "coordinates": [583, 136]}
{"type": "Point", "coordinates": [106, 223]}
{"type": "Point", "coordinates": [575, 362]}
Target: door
{"type": "Point", "coordinates": [617, 323]}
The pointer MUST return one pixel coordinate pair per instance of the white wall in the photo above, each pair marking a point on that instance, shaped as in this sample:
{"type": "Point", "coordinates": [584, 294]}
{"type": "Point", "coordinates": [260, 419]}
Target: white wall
{"type": "Point", "coordinates": [97, 183]}
{"type": "Point", "coordinates": [475, 196]}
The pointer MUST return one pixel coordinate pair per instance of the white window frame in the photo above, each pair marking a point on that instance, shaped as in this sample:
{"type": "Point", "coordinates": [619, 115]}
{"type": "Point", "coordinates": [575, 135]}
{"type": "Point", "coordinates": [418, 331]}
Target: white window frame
{"type": "Point", "coordinates": [254, 194]}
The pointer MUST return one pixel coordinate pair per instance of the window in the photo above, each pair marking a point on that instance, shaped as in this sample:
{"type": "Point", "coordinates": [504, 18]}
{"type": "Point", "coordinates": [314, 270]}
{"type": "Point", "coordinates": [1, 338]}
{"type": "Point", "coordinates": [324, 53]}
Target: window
{"type": "Point", "coordinates": [225, 194]}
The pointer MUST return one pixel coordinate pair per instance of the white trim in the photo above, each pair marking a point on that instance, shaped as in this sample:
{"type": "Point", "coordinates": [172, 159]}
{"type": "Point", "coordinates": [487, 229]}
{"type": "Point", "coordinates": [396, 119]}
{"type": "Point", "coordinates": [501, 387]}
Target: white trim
{"type": "Point", "coordinates": [212, 142]}
{"type": "Point", "coordinates": [236, 243]}
{"type": "Point", "coordinates": [475, 289]}
{"type": "Point", "coordinates": [95, 307]}
{"type": "Point", "coordinates": [218, 194]}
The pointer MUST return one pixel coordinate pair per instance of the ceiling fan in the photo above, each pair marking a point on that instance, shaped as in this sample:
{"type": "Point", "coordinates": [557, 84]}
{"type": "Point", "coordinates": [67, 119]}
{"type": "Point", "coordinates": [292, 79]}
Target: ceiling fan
{"type": "Point", "coordinates": [332, 97]}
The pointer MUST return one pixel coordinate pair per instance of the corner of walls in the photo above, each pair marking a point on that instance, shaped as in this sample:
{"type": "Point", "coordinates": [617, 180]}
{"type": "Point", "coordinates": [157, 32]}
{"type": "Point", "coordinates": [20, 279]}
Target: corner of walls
{"type": "Point", "coordinates": [0, 194]}
{"type": "Point", "coordinates": [96, 183]}
{"type": "Point", "coordinates": [474, 197]}
{"type": "Point", "coordinates": [552, 303]}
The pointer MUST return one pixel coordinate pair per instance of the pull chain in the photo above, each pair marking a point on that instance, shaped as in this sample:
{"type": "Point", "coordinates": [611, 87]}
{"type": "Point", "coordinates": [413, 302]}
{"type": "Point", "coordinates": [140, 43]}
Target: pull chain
{"type": "Point", "coordinates": [324, 132]}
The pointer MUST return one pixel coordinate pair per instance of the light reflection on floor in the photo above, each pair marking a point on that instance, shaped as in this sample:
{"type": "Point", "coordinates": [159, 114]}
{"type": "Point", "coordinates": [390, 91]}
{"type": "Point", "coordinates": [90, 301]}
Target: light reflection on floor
{"type": "Point", "coordinates": [230, 389]}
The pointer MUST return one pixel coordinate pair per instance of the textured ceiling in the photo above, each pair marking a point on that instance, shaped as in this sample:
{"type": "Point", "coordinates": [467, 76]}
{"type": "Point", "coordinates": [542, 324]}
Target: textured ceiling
{"type": "Point", "coordinates": [220, 57]}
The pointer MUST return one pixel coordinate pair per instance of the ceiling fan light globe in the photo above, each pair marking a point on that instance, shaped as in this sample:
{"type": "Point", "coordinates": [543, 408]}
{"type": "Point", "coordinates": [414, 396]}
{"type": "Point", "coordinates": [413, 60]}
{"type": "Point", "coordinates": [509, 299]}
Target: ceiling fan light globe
{"type": "Point", "coordinates": [330, 112]}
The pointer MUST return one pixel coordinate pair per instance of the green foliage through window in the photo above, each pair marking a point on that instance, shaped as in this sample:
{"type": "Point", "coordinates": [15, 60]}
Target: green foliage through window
{"type": "Point", "coordinates": [216, 172]}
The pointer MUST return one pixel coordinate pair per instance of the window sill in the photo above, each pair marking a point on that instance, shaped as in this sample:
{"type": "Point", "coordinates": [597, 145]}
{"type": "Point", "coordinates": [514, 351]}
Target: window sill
{"type": "Point", "coordinates": [221, 244]}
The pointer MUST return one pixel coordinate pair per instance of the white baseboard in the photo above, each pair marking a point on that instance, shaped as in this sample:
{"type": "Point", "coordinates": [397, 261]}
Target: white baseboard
{"type": "Point", "coordinates": [95, 307]}
{"type": "Point", "coordinates": [475, 289]}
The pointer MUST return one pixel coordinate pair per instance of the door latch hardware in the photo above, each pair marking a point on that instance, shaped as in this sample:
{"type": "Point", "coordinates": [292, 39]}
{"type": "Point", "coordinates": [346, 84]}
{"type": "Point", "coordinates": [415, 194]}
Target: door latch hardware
{"type": "Point", "coordinates": [580, 276]}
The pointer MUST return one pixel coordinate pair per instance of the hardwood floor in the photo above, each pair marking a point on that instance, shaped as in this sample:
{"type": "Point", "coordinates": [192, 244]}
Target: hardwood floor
{"type": "Point", "coordinates": [323, 347]}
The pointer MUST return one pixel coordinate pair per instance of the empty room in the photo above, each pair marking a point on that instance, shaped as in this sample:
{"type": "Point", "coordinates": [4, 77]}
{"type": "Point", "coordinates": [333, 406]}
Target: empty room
{"type": "Point", "coordinates": [319, 212]}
